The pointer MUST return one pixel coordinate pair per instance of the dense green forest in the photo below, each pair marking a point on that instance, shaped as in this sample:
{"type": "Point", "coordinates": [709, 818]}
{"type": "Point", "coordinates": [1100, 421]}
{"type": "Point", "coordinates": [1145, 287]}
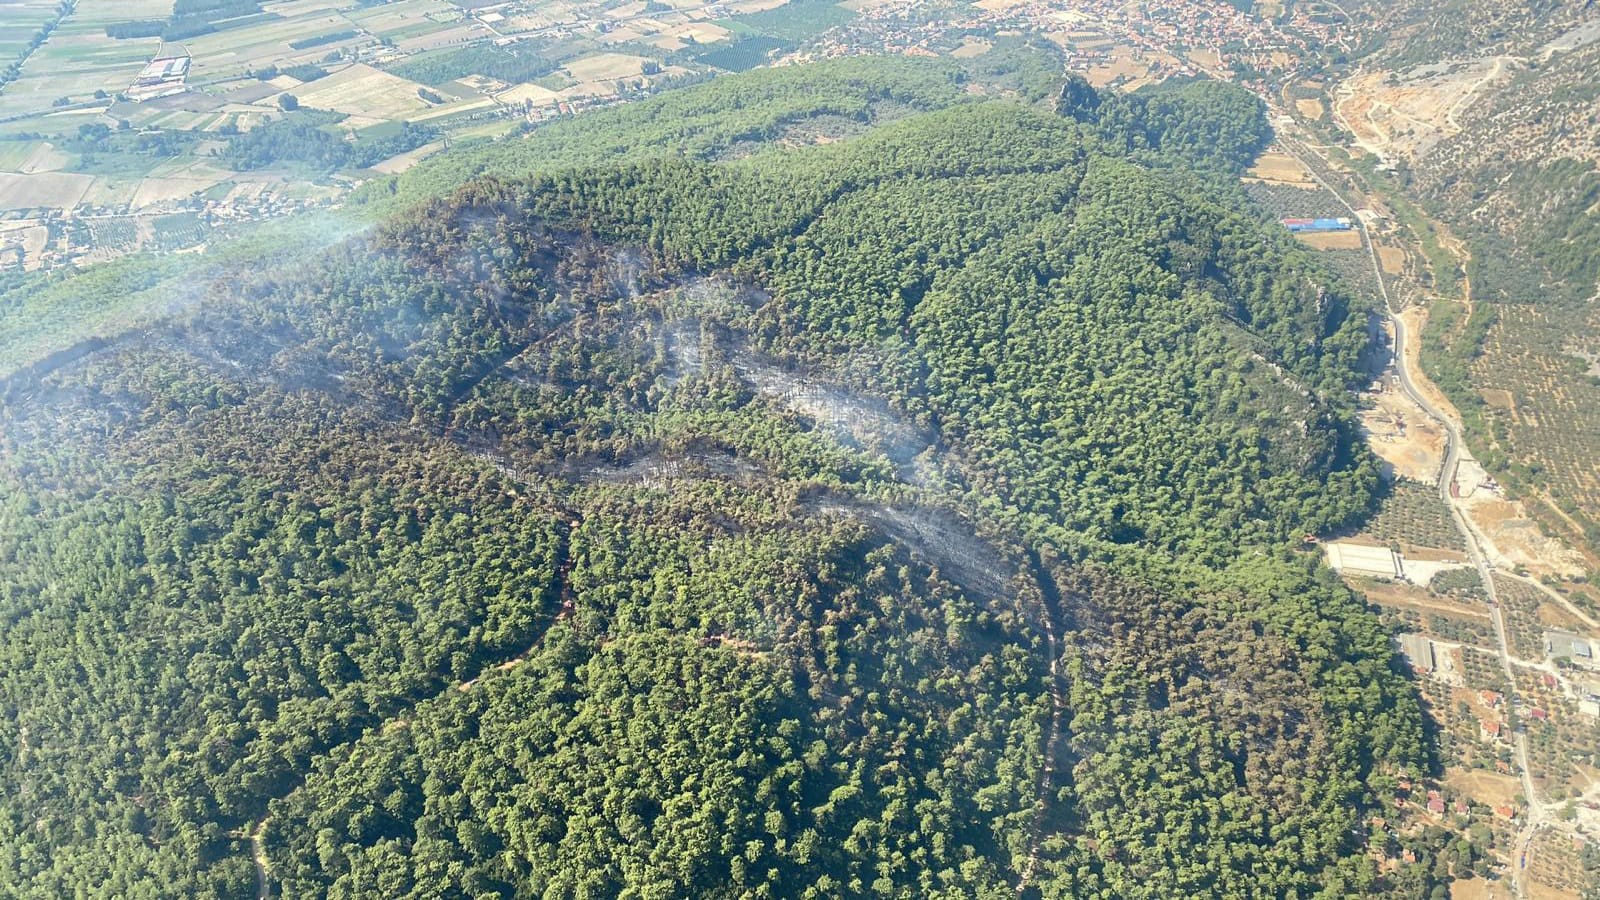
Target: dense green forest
{"type": "Point", "coordinates": [686, 510]}
{"type": "Point", "coordinates": [305, 137]}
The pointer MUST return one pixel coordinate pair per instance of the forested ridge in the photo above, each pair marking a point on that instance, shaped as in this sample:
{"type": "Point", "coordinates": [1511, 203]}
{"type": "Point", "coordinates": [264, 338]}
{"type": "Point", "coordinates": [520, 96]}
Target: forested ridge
{"type": "Point", "coordinates": [911, 515]}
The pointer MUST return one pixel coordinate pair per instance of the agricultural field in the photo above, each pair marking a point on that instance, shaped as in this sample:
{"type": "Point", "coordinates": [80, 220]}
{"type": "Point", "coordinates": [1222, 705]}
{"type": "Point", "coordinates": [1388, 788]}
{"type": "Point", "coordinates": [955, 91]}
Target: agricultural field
{"type": "Point", "coordinates": [1521, 604]}
{"type": "Point", "coordinates": [51, 190]}
{"type": "Point", "coordinates": [1463, 707]}
{"type": "Point", "coordinates": [364, 93]}
{"type": "Point", "coordinates": [1274, 167]}
{"type": "Point", "coordinates": [1538, 371]}
{"type": "Point", "coordinates": [1412, 517]}
{"type": "Point", "coordinates": [76, 136]}
{"type": "Point", "coordinates": [1331, 240]}
{"type": "Point", "coordinates": [1129, 68]}
{"type": "Point", "coordinates": [176, 231]}
{"type": "Point", "coordinates": [1276, 186]}
{"type": "Point", "coordinates": [1407, 608]}
{"type": "Point", "coordinates": [1311, 108]}
{"type": "Point", "coordinates": [1461, 584]}
{"type": "Point", "coordinates": [1563, 755]}
{"type": "Point", "coordinates": [114, 233]}
{"type": "Point", "coordinates": [28, 157]}
{"type": "Point", "coordinates": [1556, 866]}
{"type": "Point", "coordinates": [1393, 259]}
{"type": "Point", "coordinates": [22, 240]}
{"type": "Point", "coordinates": [79, 59]}
{"type": "Point", "coordinates": [20, 20]}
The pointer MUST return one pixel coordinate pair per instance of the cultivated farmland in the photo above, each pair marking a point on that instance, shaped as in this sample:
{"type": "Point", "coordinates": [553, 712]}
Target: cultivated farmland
{"type": "Point", "coordinates": [270, 108]}
{"type": "Point", "coordinates": [1414, 516]}
{"type": "Point", "coordinates": [1542, 361]}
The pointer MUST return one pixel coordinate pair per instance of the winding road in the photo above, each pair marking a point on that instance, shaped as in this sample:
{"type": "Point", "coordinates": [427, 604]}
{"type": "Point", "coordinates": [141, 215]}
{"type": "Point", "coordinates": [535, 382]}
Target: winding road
{"type": "Point", "coordinates": [1538, 814]}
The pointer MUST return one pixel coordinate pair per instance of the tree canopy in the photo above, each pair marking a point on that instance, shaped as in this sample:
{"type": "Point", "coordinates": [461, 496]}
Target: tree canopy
{"type": "Point", "coordinates": [910, 515]}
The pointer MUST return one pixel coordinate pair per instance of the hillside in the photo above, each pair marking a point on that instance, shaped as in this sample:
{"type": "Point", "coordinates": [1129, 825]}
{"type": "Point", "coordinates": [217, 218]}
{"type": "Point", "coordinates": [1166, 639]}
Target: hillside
{"type": "Point", "coordinates": [1485, 114]}
{"type": "Point", "coordinates": [718, 513]}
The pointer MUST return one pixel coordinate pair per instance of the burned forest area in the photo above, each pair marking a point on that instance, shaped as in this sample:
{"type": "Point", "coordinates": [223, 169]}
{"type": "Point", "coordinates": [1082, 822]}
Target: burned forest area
{"type": "Point", "coordinates": [915, 515]}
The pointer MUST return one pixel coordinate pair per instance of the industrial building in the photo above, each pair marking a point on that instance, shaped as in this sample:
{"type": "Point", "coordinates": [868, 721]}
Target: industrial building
{"type": "Point", "coordinates": [1566, 645]}
{"type": "Point", "coordinates": [1364, 560]}
{"type": "Point", "coordinates": [1418, 651]}
{"type": "Point", "coordinates": [1299, 225]}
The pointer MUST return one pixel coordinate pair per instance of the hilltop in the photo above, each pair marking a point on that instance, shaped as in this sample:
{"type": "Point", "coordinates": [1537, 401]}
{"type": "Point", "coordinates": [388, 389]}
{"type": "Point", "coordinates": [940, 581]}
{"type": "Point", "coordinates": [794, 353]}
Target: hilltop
{"type": "Point", "coordinates": [909, 508]}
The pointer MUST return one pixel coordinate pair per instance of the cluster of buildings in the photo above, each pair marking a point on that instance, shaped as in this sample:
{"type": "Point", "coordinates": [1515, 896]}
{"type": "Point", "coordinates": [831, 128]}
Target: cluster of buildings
{"type": "Point", "coordinates": [1313, 225]}
{"type": "Point", "coordinates": [1433, 800]}
{"type": "Point", "coordinates": [1184, 37]}
{"type": "Point", "coordinates": [166, 74]}
{"type": "Point", "coordinates": [1578, 655]}
{"type": "Point", "coordinates": [1212, 25]}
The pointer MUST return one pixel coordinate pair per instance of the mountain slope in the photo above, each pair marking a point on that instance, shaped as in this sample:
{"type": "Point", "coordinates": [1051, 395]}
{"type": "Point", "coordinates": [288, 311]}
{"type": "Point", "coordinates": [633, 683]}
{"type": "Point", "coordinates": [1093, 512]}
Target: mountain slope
{"type": "Point", "coordinates": [1486, 113]}
{"type": "Point", "coordinates": [837, 521]}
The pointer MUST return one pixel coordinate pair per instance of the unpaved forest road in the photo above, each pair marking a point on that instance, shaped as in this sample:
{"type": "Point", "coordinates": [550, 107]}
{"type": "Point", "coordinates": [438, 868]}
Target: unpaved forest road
{"type": "Point", "coordinates": [871, 423]}
{"type": "Point", "coordinates": [1538, 813]}
{"type": "Point", "coordinates": [968, 560]}
{"type": "Point", "coordinates": [258, 855]}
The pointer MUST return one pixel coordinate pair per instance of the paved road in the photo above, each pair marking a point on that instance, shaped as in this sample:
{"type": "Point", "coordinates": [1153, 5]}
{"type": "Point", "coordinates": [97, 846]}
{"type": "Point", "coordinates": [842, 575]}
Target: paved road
{"type": "Point", "coordinates": [1537, 813]}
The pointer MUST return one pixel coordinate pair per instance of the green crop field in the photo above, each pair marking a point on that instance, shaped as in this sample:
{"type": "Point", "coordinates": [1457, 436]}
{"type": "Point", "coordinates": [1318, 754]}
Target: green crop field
{"type": "Point", "coordinates": [1413, 514]}
{"type": "Point", "coordinates": [1459, 584]}
{"type": "Point", "coordinates": [20, 21]}
{"type": "Point", "coordinates": [178, 230]}
{"type": "Point", "coordinates": [80, 59]}
{"type": "Point", "coordinates": [113, 234]}
{"type": "Point", "coordinates": [370, 67]}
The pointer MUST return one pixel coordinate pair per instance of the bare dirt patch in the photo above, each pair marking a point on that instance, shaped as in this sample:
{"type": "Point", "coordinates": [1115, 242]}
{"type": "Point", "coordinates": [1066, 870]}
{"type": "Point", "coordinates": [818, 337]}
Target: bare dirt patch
{"type": "Point", "coordinates": [1404, 437]}
{"type": "Point", "coordinates": [1500, 399]}
{"type": "Point", "coordinates": [1393, 260]}
{"type": "Point", "coordinates": [971, 47]}
{"type": "Point", "coordinates": [1477, 889]}
{"type": "Point", "coordinates": [1127, 65]}
{"type": "Point", "coordinates": [1331, 240]}
{"type": "Point", "coordinates": [1552, 615]}
{"type": "Point", "coordinates": [1407, 596]}
{"type": "Point", "coordinates": [606, 67]}
{"type": "Point", "coordinates": [1273, 167]}
{"type": "Point", "coordinates": [1310, 108]}
{"type": "Point", "coordinates": [1407, 113]}
{"type": "Point", "coordinates": [1489, 788]}
{"type": "Point", "coordinates": [536, 94]}
{"type": "Point", "coordinates": [394, 165]}
{"type": "Point", "coordinates": [1514, 539]}
{"type": "Point", "coordinates": [1432, 554]}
